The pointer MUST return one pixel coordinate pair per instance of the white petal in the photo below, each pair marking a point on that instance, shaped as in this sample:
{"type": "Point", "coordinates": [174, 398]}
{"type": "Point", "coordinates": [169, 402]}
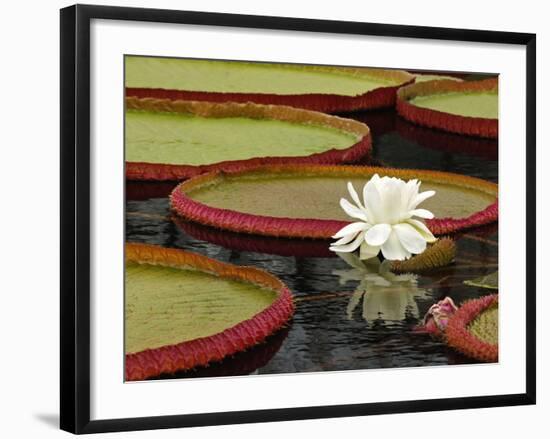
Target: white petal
{"type": "Point", "coordinates": [344, 240]}
{"type": "Point", "coordinates": [368, 251]}
{"type": "Point", "coordinates": [410, 238]}
{"type": "Point", "coordinates": [352, 210]}
{"type": "Point", "coordinates": [352, 246]}
{"type": "Point", "coordinates": [421, 213]}
{"type": "Point", "coordinates": [422, 197]}
{"type": "Point", "coordinates": [354, 195]}
{"type": "Point", "coordinates": [422, 229]}
{"type": "Point", "coordinates": [372, 199]}
{"type": "Point", "coordinates": [375, 179]}
{"type": "Point", "coordinates": [391, 200]}
{"type": "Point", "coordinates": [409, 194]}
{"type": "Point", "coordinates": [351, 229]}
{"type": "Point", "coordinates": [393, 250]}
{"type": "Point", "coordinates": [378, 234]}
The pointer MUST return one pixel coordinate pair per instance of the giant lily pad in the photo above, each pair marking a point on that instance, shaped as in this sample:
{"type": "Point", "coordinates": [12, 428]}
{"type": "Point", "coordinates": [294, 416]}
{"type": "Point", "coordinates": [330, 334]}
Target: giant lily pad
{"type": "Point", "coordinates": [469, 107]}
{"type": "Point", "coordinates": [303, 201]}
{"type": "Point", "coordinates": [321, 88]}
{"type": "Point", "coordinates": [184, 310]}
{"type": "Point", "coordinates": [473, 329]}
{"type": "Point", "coordinates": [174, 140]}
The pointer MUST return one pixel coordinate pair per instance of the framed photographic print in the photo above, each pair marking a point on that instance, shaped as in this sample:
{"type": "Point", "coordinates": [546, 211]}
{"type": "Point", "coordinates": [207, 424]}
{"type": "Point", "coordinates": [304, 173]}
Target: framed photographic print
{"type": "Point", "coordinates": [268, 218]}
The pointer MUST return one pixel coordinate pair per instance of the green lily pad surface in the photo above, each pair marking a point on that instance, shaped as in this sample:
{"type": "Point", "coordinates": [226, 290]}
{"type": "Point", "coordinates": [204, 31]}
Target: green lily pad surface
{"type": "Point", "coordinates": [427, 77]}
{"type": "Point", "coordinates": [483, 105]}
{"type": "Point", "coordinates": [245, 77]}
{"type": "Point", "coordinates": [176, 138]}
{"type": "Point", "coordinates": [490, 281]}
{"type": "Point", "coordinates": [485, 325]}
{"type": "Point", "coordinates": [165, 306]}
{"type": "Point", "coordinates": [317, 197]}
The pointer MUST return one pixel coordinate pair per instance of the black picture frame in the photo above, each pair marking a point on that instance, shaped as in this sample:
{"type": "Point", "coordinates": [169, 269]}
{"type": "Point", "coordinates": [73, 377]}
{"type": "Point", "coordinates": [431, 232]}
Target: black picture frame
{"type": "Point", "coordinates": [75, 217]}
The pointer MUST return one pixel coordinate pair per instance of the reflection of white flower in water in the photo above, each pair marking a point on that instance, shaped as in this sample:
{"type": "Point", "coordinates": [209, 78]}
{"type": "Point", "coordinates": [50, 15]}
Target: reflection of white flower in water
{"type": "Point", "coordinates": [385, 294]}
{"type": "Point", "coordinates": [387, 220]}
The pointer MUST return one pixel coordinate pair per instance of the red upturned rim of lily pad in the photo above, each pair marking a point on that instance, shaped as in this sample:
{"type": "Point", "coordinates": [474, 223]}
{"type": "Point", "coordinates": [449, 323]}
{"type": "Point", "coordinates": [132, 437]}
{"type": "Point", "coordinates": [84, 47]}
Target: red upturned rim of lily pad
{"type": "Point", "coordinates": [235, 221]}
{"type": "Point", "coordinates": [202, 351]}
{"type": "Point", "coordinates": [241, 363]}
{"type": "Point", "coordinates": [381, 97]}
{"type": "Point", "coordinates": [177, 172]}
{"type": "Point", "coordinates": [460, 338]}
{"type": "Point", "coordinates": [472, 126]}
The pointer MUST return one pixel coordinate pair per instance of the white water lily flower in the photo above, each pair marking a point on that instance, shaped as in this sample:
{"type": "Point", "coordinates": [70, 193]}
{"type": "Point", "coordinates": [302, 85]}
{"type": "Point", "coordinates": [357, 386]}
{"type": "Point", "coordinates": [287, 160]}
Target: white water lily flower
{"type": "Point", "coordinates": [387, 220]}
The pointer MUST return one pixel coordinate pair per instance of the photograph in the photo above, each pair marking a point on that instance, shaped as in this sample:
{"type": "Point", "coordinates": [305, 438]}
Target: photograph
{"type": "Point", "coordinates": [287, 218]}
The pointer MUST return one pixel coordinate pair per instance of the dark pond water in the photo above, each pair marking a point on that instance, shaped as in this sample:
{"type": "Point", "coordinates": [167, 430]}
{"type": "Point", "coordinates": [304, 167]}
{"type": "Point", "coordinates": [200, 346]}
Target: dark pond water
{"type": "Point", "coordinates": [345, 318]}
